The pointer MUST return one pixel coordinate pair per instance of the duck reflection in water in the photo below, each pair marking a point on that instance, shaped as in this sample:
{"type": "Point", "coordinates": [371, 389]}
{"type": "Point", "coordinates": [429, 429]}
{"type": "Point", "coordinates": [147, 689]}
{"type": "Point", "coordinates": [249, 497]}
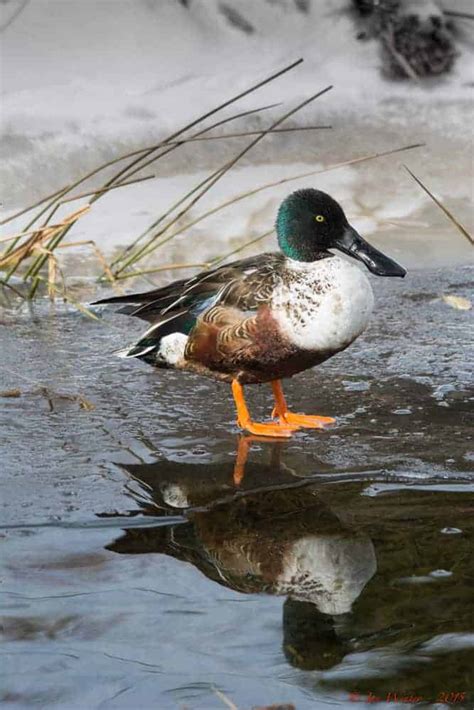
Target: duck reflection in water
{"type": "Point", "coordinates": [263, 532]}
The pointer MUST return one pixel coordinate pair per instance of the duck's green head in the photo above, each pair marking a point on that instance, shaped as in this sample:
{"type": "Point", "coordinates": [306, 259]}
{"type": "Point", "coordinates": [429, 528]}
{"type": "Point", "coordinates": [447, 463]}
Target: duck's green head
{"type": "Point", "coordinates": [311, 222]}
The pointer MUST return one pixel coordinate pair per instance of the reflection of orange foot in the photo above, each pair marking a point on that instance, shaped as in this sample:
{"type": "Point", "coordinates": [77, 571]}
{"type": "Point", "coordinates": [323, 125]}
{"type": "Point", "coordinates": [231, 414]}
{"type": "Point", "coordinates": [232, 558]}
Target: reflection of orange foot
{"type": "Point", "coordinates": [304, 420]}
{"type": "Point", "coordinates": [243, 447]}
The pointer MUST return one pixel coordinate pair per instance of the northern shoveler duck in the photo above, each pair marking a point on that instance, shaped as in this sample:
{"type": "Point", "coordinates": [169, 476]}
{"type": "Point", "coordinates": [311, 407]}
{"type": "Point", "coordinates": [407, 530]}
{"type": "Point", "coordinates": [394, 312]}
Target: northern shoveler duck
{"type": "Point", "coordinates": [270, 316]}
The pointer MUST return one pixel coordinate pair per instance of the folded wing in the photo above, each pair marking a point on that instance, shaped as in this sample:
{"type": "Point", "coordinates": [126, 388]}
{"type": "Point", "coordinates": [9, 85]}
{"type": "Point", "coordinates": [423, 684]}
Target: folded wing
{"type": "Point", "coordinates": [218, 299]}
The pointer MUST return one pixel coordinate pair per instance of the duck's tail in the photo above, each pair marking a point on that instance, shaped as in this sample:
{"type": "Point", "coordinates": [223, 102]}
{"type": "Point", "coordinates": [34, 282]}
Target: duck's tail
{"type": "Point", "coordinates": [164, 343]}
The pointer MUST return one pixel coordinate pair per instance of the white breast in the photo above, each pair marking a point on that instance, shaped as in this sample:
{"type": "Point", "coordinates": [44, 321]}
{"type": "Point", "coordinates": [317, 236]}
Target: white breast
{"type": "Point", "coordinates": [323, 305]}
{"type": "Point", "coordinates": [329, 571]}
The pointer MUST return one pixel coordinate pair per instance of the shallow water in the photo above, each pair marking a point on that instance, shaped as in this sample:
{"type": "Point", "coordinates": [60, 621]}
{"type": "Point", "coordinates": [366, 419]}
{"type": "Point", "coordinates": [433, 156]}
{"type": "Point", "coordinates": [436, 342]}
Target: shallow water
{"type": "Point", "coordinates": [153, 557]}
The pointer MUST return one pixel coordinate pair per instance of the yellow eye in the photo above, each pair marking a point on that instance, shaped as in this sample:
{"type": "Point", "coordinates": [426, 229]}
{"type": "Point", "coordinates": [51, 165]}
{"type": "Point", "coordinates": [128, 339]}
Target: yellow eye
{"type": "Point", "coordinates": [319, 218]}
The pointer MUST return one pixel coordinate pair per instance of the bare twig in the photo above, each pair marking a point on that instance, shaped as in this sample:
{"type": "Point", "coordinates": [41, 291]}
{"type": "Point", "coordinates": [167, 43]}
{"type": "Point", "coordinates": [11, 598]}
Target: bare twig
{"type": "Point", "coordinates": [140, 159]}
{"type": "Point", "coordinates": [218, 260]}
{"type": "Point", "coordinates": [106, 189]}
{"type": "Point", "coordinates": [227, 701]}
{"type": "Point", "coordinates": [56, 201]}
{"type": "Point", "coordinates": [31, 207]}
{"type": "Point", "coordinates": [266, 186]}
{"type": "Point", "coordinates": [22, 252]}
{"type": "Point", "coordinates": [165, 267]}
{"type": "Point", "coordinates": [67, 188]}
{"type": "Point", "coordinates": [399, 58]}
{"type": "Point", "coordinates": [56, 234]}
{"type": "Point", "coordinates": [52, 264]}
{"type": "Point", "coordinates": [461, 15]}
{"type": "Point", "coordinates": [5, 284]}
{"type": "Point", "coordinates": [135, 166]}
{"type": "Point", "coordinates": [15, 14]}
{"type": "Point", "coordinates": [99, 193]}
{"type": "Point", "coordinates": [447, 212]}
{"type": "Point", "coordinates": [41, 229]}
{"type": "Point", "coordinates": [99, 254]}
{"type": "Point", "coordinates": [244, 134]}
{"type": "Point", "coordinates": [150, 246]}
{"type": "Point", "coordinates": [69, 299]}
{"type": "Point", "coordinates": [133, 244]}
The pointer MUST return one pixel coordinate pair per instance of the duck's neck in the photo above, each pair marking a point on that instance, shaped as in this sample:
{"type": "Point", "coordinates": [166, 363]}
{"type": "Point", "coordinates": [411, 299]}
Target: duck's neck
{"type": "Point", "coordinates": [298, 249]}
{"type": "Point", "coordinates": [294, 240]}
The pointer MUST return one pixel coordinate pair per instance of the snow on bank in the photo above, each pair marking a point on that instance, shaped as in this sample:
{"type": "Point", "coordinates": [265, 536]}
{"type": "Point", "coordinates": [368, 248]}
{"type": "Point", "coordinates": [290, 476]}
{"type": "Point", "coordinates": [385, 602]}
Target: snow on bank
{"type": "Point", "coordinates": [85, 81]}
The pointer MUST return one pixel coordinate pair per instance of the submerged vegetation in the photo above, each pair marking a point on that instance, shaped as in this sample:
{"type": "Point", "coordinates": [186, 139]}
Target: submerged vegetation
{"type": "Point", "coordinates": [30, 256]}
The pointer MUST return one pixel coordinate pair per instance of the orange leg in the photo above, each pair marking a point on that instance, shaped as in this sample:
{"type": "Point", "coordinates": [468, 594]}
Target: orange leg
{"type": "Point", "coordinates": [243, 448]}
{"type": "Point", "coordinates": [280, 430]}
{"type": "Point", "coordinates": [300, 420]}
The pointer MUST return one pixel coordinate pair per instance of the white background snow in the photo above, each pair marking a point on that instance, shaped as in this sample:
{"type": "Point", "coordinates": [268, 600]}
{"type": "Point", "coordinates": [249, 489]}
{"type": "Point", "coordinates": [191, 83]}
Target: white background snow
{"type": "Point", "coordinates": [83, 81]}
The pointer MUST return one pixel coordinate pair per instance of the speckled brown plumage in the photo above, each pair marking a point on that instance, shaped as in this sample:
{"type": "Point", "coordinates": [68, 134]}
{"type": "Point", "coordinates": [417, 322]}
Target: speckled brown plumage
{"type": "Point", "coordinates": [237, 337]}
{"type": "Point", "coordinates": [251, 350]}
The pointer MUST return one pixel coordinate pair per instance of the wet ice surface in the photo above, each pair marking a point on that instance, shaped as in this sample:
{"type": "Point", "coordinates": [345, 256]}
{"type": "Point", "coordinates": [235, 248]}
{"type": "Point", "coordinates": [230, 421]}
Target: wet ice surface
{"type": "Point", "coordinates": [136, 573]}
